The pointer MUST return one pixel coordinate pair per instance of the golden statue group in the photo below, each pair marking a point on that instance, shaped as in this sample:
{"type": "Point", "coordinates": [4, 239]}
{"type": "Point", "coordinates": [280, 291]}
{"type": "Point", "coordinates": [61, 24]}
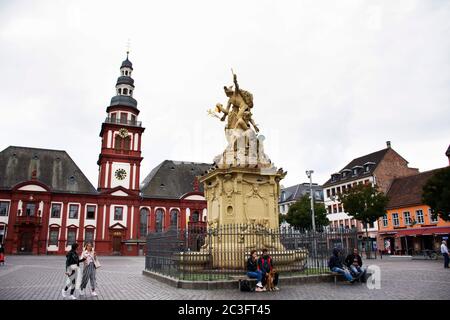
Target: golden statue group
{"type": "Point", "coordinates": [244, 147]}
{"type": "Point", "coordinates": [242, 193]}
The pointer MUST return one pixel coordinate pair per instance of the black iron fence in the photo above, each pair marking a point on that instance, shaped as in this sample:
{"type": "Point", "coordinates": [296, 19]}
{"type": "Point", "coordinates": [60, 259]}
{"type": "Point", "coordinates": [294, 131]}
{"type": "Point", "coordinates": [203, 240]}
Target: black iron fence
{"type": "Point", "coordinates": [201, 253]}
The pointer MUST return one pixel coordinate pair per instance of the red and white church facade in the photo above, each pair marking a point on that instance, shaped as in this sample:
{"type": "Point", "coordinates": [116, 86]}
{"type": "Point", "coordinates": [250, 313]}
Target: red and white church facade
{"type": "Point", "coordinates": [47, 203]}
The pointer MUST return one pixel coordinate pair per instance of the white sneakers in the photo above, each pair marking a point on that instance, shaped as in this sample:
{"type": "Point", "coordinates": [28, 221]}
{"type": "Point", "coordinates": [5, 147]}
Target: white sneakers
{"type": "Point", "coordinates": [94, 293]}
{"type": "Point", "coordinates": [82, 292]}
{"type": "Point", "coordinates": [72, 297]}
{"type": "Point", "coordinates": [63, 292]}
{"type": "Point", "coordinates": [259, 284]}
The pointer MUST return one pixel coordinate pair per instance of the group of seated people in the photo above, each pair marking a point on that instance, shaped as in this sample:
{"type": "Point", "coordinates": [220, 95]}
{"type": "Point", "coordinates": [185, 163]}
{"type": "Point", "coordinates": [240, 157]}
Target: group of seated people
{"type": "Point", "coordinates": [259, 268]}
{"type": "Point", "coordinates": [353, 269]}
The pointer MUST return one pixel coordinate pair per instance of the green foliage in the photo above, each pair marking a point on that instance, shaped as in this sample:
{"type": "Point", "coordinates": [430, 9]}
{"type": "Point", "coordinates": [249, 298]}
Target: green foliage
{"type": "Point", "coordinates": [364, 203]}
{"type": "Point", "coordinates": [436, 194]}
{"type": "Point", "coordinates": [299, 214]}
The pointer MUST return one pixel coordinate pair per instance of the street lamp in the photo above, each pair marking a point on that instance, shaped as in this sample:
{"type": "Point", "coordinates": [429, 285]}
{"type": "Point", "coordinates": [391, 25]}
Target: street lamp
{"type": "Point", "coordinates": [309, 174]}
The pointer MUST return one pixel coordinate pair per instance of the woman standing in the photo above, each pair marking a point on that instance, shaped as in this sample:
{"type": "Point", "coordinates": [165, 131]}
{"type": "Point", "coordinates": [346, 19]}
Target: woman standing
{"type": "Point", "coordinates": [72, 271]}
{"type": "Point", "coordinates": [89, 268]}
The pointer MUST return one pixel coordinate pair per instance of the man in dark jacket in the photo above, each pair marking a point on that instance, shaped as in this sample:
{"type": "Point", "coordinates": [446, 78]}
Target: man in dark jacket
{"type": "Point", "coordinates": [354, 263]}
{"type": "Point", "coordinates": [265, 264]}
{"type": "Point", "coordinates": [335, 265]}
{"type": "Point", "coordinates": [253, 271]}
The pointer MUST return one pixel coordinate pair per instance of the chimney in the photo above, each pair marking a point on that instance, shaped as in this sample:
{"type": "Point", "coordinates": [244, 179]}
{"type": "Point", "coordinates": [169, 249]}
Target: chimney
{"type": "Point", "coordinates": [447, 153]}
{"type": "Point", "coordinates": [388, 144]}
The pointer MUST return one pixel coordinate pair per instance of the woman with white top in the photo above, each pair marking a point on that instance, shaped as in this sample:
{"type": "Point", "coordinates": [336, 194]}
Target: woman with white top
{"type": "Point", "coordinates": [89, 268]}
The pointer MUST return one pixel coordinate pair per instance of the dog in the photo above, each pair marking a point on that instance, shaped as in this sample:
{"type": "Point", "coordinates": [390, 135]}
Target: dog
{"type": "Point", "coordinates": [269, 280]}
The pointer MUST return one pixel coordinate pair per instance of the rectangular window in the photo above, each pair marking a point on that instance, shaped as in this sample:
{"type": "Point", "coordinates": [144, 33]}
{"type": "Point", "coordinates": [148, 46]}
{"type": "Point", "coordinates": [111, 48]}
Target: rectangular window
{"type": "Point", "coordinates": [56, 210]}
{"type": "Point", "coordinates": [328, 193]}
{"type": "Point", "coordinates": [30, 209]}
{"type": "Point", "coordinates": [329, 209]}
{"type": "Point", "coordinates": [432, 220]}
{"type": "Point", "coordinates": [71, 235]}
{"type": "Point", "coordinates": [118, 213]}
{"type": "Point", "coordinates": [113, 117]}
{"type": "Point", "coordinates": [90, 214]}
{"type": "Point", "coordinates": [407, 218]}
{"type": "Point", "coordinates": [333, 192]}
{"type": "Point", "coordinates": [343, 189]}
{"type": "Point", "coordinates": [89, 236]}
{"type": "Point", "coordinates": [73, 211]}
{"type": "Point", "coordinates": [123, 118]}
{"type": "Point", "coordinates": [395, 219]}
{"type": "Point", "coordinates": [371, 225]}
{"type": "Point", "coordinates": [4, 208]}
{"type": "Point", "coordinates": [385, 220]}
{"type": "Point", "coordinates": [419, 216]}
{"type": "Point", "coordinates": [366, 181]}
{"type": "Point", "coordinates": [133, 119]}
{"type": "Point", "coordinates": [338, 190]}
{"type": "Point", "coordinates": [53, 241]}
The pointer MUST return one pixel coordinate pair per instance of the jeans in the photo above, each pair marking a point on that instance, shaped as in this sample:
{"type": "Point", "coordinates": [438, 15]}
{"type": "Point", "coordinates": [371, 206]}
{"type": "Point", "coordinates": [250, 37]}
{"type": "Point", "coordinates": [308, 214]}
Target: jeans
{"type": "Point", "coordinates": [347, 274]}
{"type": "Point", "coordinates": [445, 260]}
{"type": "Point", "coordinates": [255, 275]}
{"type": "Point", "coordinates": [358, 271]}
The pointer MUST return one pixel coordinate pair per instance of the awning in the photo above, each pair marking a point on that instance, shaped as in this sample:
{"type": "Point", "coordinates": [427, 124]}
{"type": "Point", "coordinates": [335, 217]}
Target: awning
{"type": "Point", "coordinates": [423, 231]}
{"type": "Point", "coordinates": [387, 233]}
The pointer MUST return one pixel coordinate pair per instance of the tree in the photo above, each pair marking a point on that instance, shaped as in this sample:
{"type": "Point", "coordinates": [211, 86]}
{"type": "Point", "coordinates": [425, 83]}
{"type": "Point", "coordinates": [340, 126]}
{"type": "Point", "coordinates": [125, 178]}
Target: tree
{"type": "Point", "coordinates": [436, 194]}
{"type": "Point", "coordinates": [299, 214]}
{"type": "Point", "coordinates": [364, 203]}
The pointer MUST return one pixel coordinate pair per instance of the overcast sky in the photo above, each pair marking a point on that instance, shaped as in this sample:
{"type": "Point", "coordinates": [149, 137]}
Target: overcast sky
{"type": "Point", "coordinates": [331, 80]}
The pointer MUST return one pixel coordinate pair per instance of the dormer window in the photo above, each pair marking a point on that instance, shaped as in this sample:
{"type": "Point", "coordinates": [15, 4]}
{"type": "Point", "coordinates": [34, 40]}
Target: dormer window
{"type": "Point", "coordinates": [368, 166]}
{"type": "Point", "coordinates": [283, 196]}
{"type": "Point", "coordinates": [356, 170]}
{"type": "Point", "coordinates": [335, 176]}
{"type": "Point", "coordinates": [346, 173]}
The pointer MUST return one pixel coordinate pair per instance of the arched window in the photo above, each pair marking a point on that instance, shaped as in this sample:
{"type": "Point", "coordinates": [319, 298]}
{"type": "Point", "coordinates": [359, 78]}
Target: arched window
{"type": "Point", "coordinates": [126, 143]}
{"type": "Point", "coordinates": [143, 218]}
{"type": "Point", "coordinates": [159, 220]}
{"type": "Point", "coordinates": [118, 142]}
{"type": "Point", "coordinates": [119, 91]}
{"type": "Point", "coordinates": [125, 91]}
{"type": "Point", "coordinates": [174, 218]}
{"type": "Point", "coordinates": [195, 216]}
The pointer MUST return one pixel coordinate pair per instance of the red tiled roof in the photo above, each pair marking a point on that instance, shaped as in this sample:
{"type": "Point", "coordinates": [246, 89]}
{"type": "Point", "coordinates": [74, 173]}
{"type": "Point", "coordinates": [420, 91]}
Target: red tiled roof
{"type": "Point", "coordinates": [407, 191]}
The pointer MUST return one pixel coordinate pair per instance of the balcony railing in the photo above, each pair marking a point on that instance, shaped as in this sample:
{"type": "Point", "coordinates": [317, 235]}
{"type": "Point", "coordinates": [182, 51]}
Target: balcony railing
{"type": "Point", "coordinates": [28, 220]}
{"type": "Point", "coordinates": [125, 122]}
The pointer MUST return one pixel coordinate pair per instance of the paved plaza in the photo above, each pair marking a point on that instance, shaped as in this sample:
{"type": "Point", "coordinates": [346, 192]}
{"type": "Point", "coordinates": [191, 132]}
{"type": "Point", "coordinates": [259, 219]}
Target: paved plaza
{"type": "Point", "coordinates": [120, 278]}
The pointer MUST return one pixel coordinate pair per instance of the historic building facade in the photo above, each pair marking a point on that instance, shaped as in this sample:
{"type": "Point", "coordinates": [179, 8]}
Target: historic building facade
{"type": "Point", "coordinates": [47, 203]}
{"type": "Point", "coordinates": [378, 168]}
{"type": "Point", "coordinates": [290, 195]}
{"type": "Point", "coordinates": [408, 227]}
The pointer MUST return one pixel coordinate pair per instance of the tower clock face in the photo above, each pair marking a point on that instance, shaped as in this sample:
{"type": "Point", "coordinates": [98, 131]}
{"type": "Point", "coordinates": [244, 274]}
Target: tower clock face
{"type": "Point", "coordinates": [120, 174]}
{"type": "Point", "coordinates": [123, 133]}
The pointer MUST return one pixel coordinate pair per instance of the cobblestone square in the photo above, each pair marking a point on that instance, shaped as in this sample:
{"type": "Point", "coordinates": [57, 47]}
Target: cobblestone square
{"type": "Point", "coordinates": [121, 278]}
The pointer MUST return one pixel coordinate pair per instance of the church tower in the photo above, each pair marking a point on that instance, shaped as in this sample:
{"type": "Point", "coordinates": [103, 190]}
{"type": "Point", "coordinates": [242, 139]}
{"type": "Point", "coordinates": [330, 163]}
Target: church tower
{"type": "Point", "coordinates": [120, 157]}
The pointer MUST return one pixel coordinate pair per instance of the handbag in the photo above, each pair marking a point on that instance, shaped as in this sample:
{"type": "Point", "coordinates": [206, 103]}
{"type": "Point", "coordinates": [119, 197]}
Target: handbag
{"type": "Point", "coordinates": [97, 263]}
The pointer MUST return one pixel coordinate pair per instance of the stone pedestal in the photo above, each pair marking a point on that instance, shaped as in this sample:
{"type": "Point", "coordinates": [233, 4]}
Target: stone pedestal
{"type": "Point", "coordinates": [242, 196]}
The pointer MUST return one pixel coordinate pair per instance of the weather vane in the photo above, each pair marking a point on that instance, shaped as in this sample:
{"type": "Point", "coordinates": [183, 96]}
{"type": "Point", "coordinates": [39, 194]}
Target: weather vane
{"type": "Point", "coordinates": [128, 46]}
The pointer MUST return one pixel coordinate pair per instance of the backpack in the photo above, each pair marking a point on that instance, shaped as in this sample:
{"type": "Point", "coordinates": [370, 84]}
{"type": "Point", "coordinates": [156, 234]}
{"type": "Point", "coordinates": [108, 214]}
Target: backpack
{"type": "Point", "coordinates": [245, 286]}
